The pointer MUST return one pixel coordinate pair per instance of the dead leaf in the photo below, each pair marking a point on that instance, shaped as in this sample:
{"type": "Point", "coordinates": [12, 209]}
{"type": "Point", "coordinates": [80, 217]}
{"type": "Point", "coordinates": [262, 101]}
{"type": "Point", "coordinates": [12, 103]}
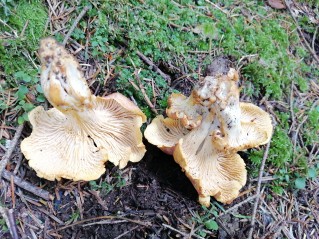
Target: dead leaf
{"type": "Point", "coordinates": [277, 4]}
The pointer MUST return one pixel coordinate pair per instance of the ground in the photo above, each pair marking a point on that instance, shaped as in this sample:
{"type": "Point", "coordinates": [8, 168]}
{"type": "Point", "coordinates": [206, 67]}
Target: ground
{"type": "Point", "coordinates": [146, 50]}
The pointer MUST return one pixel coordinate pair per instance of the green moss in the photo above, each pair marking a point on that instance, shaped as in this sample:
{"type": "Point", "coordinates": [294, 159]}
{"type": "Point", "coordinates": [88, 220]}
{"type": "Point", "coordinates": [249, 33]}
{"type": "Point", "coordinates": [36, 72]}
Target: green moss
{"type": "Point", "coordinates": [17, 53]}
{"type": "Point", "coordinates": [34, 14]}
{"type": "Point", "coordinates": [311, 133]}
{"type": "Point", "coordinates": [280, 152]}
{"type": "Point", "coordinates": [14, 51]}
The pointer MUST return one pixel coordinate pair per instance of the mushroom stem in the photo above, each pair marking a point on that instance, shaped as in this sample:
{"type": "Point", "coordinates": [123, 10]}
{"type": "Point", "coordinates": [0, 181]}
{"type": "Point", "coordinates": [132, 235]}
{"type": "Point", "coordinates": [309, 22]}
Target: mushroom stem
{"type": "Point", "coordinates": [62, 81]}
{"type": "Point", "coordinates": [227, 132]}
{"type": "Point", "coordinates": [220, 94]}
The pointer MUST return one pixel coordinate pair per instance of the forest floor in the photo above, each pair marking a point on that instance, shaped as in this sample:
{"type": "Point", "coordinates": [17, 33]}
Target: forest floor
{"type": "Point", "coordinates": [147, 49]}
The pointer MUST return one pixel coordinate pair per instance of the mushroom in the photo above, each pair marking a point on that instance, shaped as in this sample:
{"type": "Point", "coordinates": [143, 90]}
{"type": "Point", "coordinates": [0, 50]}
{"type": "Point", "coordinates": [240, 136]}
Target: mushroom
{"type": "Point", "coordinates": [74, 139]}
{"type": "Point", "coordinates": [184, 108]}
{"type": "Point", "coordinates": [204, 131]}
{"type": "Point", "coordinates": [165, 133]}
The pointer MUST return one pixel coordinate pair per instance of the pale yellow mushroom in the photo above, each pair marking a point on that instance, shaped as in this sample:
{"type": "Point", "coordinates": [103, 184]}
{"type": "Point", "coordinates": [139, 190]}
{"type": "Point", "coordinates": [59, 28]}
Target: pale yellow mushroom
{"type": "Point", "coordinates": [184, 108]}
{"type": "Point", "coordinates": [204, 132]}
{"type": "Point", "coordinates": [74, 139]}
{"type": "Point", "coordinates": [165, 133]}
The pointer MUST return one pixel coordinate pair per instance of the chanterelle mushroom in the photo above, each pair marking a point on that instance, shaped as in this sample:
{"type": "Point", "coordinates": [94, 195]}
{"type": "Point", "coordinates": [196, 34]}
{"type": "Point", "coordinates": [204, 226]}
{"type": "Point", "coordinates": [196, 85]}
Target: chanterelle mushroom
{"type": "Point", "coordinates": [205, 130]}
{"type": "Point", "coordinates": [74, 139]}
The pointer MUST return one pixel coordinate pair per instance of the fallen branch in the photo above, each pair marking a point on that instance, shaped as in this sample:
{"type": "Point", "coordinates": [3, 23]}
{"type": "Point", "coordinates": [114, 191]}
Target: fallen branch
{"type": "Point", "coordinates": [75, 23]}
{"type": "Point", "coordinates": [154, 67]}
{"type": "Point", "coordinates": [261, 170]}
{"type": "Point", "coordinates": [7, 156]}
{"type": "Point", "coordinates": [27, 186]}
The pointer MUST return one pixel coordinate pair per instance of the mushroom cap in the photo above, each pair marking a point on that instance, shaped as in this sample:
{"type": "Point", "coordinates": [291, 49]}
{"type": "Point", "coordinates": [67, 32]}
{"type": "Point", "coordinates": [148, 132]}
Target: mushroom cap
{"type": "Point", "coordinates": [217, 89]}
{"type": "Point", "coordinates": [76, 146]}
{"type": "Point", "coordinates": [253, 128]}
{"type": "Point", "coordinates": [254, 117]}
{"type": "Point", "coordinates": [58, 148]}
{"type": "Point", "coordinates": [165, 133]}
{"type": "Point", "coordinates": [185, 108]}
{"type": "Point", "coordinates": [127, 104]}
{"type": "Point", "coordinates": [212, 172]}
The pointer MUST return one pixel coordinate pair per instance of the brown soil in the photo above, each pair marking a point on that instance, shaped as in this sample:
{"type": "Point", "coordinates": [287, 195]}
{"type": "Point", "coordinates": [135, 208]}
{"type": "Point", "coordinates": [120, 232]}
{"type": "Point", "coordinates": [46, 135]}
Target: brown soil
{"type": "Point", "coordinates": [149, 199]}
{"type": "Point", "coordinates": [158, 192]}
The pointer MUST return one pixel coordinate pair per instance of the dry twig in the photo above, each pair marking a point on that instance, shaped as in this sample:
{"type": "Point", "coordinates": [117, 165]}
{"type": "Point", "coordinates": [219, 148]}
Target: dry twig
{"type": "Point", "coordinates": [27, 186]}
{"type": "Point", "coordinates": [261, 170]}
{"type": "Point", "coordinates": [279, 218]}
{"type": "Point", "coordinates": [5, 24]}
{"type": "Point", "coordinates": [6, 157]}
{"type": "Point", "coordinates": [12, 220]}
{"type": "Point", "coordinates": [314, 39]}
{"type": "Point", "coordinates": [216, 6]}
{"type": "Point", "coordinates": [295, 137]}
{"type": "Point", "coordinates": [145, 224]}
{"type": "Point", "coordinates": [127, 232]}
{"type": "Point", "coordinates": [82, 13]}
{"type": "Point", "coordinates": [141, 87]}
{"type": "Point", "coordinates": [7, 215]}
{"type": "Point", "coordinates": [238, 205]}
{"type": "Point", "coordinates": [182, 28]}
{"type": "Point", "coordinates": [154, 67]}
